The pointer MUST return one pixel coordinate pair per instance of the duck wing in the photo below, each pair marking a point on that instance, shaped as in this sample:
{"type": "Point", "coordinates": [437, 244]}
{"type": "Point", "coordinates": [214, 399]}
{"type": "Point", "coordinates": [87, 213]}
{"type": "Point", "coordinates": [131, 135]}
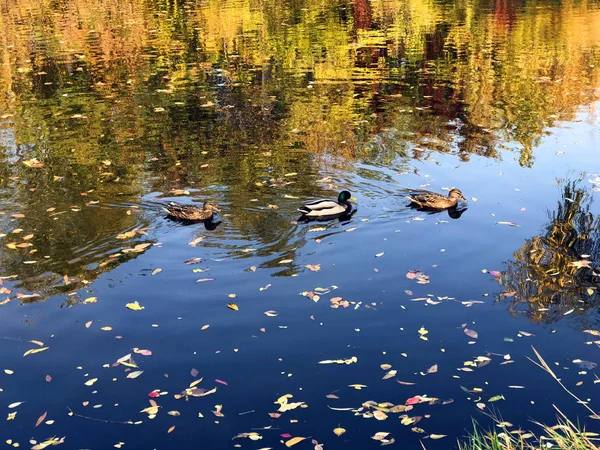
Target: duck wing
{"type": "Point", "coordinates": [172, 208]}
{"type": "Point", "coordinates": [322, 208]}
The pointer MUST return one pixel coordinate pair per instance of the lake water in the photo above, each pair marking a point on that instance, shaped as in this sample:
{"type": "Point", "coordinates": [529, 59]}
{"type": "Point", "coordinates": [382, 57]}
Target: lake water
{"type": "Point", "coordinates": [110, 108]}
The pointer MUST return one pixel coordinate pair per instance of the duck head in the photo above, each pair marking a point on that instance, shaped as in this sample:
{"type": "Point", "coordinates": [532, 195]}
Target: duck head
{"type": "Point", "coordinates": [209, 206]}
{"type": "Point", "coordinates": [455, 193]}
{"type": "Point", "coordinates": [344, 197]}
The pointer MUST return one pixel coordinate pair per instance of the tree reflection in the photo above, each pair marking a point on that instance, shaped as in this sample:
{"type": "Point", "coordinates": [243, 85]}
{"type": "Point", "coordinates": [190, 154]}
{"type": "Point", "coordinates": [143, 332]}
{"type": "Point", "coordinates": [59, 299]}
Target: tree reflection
{"type": "Point", "coordinates": [119, 99]}
{"type": "Point", "coordinates": [549, 275]}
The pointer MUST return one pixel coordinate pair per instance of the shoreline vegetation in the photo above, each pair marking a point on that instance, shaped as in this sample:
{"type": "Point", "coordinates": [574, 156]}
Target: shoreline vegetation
{"type": "Point", "coordinates": [566, 434]}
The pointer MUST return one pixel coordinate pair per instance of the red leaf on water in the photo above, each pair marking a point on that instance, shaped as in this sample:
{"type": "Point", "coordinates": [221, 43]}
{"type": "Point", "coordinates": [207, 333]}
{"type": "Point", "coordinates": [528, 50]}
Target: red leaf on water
{"type": "Point", "coordinates": [194, 372]}
{"type": "Point", "coordinates": [221, 381]}
{"type": "Point", "coordinates": [413, 400]}
{"type": "Point", "coordinates": [471, 333]}
{"type": "Point", "coordinates": [153, 394]}
{"type": "Point", "coordinates": [286, 435]}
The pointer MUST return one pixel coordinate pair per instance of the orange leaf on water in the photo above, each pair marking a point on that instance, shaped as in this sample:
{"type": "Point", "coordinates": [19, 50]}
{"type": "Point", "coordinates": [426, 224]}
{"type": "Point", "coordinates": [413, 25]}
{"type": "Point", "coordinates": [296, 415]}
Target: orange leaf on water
{"type": "Point", "coordinates": [41, 419]}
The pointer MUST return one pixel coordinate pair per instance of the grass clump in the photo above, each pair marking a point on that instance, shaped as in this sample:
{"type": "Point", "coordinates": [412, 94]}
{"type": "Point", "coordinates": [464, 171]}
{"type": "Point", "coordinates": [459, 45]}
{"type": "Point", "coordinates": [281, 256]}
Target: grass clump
{"type": "Point", "coordinates": [563, 436]}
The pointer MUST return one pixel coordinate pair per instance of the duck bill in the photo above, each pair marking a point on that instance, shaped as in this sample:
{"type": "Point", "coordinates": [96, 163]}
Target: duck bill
{"type": "Point", "coordinates": [353, 198]}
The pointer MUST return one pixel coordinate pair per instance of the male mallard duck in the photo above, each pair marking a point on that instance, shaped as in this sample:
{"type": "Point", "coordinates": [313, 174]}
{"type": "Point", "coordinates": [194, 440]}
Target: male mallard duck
{"type": "Point", "coordinates": [327, 209]}
{"type": "Point", "coordinates": [433, 200]}
{"type": "Point", "coordinates": [191, 212]}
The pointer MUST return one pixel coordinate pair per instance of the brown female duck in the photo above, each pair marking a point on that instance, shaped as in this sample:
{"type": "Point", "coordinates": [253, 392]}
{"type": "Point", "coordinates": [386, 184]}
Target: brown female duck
{"type": "Point", "coordinates": [191, 213]}
{"type": "Point", "coordinates": [433, 200]}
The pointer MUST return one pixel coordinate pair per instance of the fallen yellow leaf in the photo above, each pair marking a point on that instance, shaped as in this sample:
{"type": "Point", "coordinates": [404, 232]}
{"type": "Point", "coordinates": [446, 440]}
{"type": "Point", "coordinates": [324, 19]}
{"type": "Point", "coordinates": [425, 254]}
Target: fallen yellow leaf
{"type": "Point", "coordinates": [35, 350]}
{"type": "Point", "coordinates": [294, 441]}
{"type": "Point", "coordinates": [91, 381]}
{"type": "Point", "coordinates": [339, 431]}
{"type": "Point", "coordinates": [135, 306]}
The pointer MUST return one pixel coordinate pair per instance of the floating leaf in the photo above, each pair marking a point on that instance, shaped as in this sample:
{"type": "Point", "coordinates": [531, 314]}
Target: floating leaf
{"type": "Point", "coordinates": [339, 361]}
{"type": "Point", "coordinates": [289, 406]}
{"type": "Point", "coordinates": [233, 306]}
{"type": "Point", "coordinates": [135, 374]}
{"type": "Point", "coordinates": [413, 400]}
{"type": "Point", "coordinates": [294, 441]}
{"type": "Point", "coordinates": [271, 313]}
{"type": "Point", "coordinates": [380, 435]}
{"type": "Point", "coordinates": [512, 224]}
{"type": "Point", "coordinates": [379, 415]}
{"type": "Point", "coordinates": [142, 352]}
{"type": "Point", "coordinates": [437, 436]}
{"type": "Point", "coordinates": [592, 332]}
{"type": "Point", "coordinates": [135, 306]}
{"type": "Point", "coordinates": [35, 350]}
{"type": "Point", "coordinates": [91, 381]}
{"type": "Point", "coordinates": [14, 405]}
{"type": "Point", "coordinates": [41, 419]}
{"type": "Point", "coordinates": [390, 374]}
{"type": "Point", "coordinates": [313, 267]}
{"type": "Point", "coordinates": [471, 333]}
{"type": "Point", "coordinates": [433, 369]}
{"type": "Point", "coordinates": [339, 431]}
{"type": "Point", "coordinates": [48, 443]}
{"type": "Point", "coordinates": [217, 412]}
{"type": "Point", "coordinates": [152, 410]}
{"type": "Point", "coordinates": [253, 436]}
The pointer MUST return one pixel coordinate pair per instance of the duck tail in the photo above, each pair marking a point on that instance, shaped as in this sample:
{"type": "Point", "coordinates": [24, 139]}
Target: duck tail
{"type": "Point", "coordinates": [304, 209]}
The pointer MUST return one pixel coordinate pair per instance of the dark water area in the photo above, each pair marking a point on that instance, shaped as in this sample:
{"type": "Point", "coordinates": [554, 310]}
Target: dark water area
{"type": "Point", "coordinates": [425, 322]}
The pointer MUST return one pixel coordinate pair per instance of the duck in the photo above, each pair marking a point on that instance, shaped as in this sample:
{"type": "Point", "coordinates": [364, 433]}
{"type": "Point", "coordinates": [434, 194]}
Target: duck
{"type": "Point", "coordinates": [327, 209]}
{"type": "Point", "coordinates": [433, 200]}
{"type": "Point", "coordinates": [191, 213]}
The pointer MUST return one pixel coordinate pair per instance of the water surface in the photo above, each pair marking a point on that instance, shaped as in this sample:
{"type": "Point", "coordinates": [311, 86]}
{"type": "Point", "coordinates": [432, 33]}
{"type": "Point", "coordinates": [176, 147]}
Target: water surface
{"type": "Point", "coordinates": [108, 109]}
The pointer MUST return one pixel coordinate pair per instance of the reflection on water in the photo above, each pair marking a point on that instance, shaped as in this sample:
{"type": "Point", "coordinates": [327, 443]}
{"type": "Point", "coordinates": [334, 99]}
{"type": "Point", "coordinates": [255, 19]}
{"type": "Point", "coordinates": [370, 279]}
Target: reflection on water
{"type": "Point", "coordinates": [113, 100]}
{"type": "Point", "coordinates": [554, 274]}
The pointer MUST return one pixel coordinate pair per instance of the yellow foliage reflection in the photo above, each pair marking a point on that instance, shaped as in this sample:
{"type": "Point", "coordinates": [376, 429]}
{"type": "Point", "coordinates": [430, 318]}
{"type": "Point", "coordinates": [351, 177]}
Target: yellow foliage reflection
{"type": "Point", "coordinates": [554, 274]}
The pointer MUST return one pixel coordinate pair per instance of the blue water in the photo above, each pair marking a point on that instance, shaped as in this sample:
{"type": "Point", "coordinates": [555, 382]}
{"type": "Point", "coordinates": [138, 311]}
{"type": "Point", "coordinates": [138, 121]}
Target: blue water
{"type": "Point", "coordinates": [262, 358]}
